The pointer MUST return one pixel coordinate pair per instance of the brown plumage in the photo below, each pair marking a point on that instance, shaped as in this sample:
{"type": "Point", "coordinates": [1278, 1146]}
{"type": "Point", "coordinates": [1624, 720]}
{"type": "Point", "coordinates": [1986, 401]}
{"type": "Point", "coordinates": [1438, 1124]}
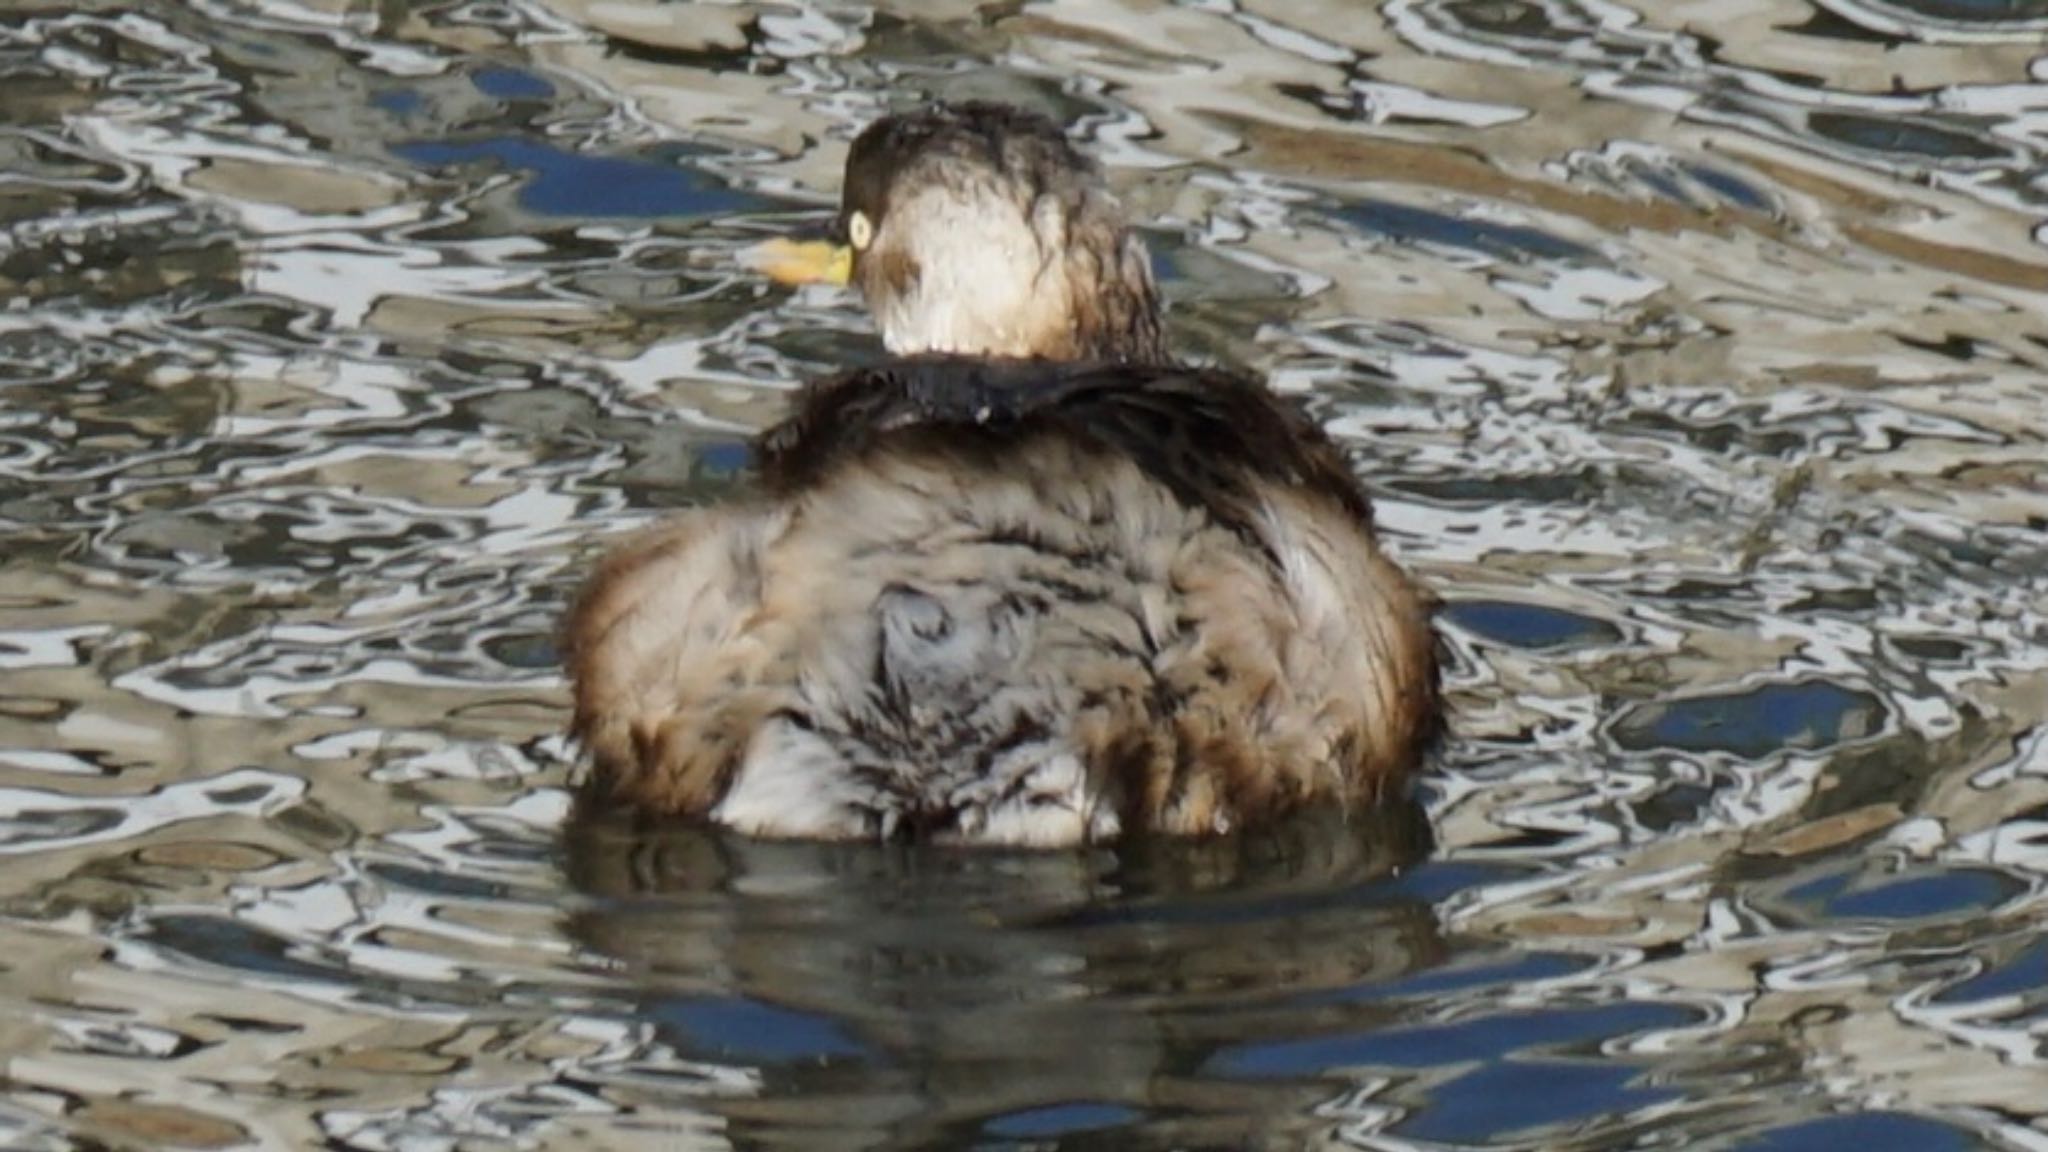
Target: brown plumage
{"type": "Point", "coordinates": [981, 599]}
{"type": "Point", "coordinates": [991, 235]}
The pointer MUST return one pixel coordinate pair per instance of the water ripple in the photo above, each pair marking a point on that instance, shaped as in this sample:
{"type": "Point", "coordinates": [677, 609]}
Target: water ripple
{"type": "Point", "coordinates": [1694, 355]}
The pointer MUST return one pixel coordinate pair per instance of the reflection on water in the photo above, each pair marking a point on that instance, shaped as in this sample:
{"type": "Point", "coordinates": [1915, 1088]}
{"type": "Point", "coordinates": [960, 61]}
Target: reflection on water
{"type": "Point", "coordinates": [1696, 352]}
{"type": "Point", "coordinates": [944, 997]}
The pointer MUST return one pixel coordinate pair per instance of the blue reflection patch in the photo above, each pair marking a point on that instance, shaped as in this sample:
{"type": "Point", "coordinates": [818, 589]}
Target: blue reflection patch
{"type": "Point", "coordinates": [2023, 975]}
{"type": "Point", "coordinates": [1510, 1096]}
{"type": "Point", "coordinates": [1899, 135]}
{"type": "Point", "coordinates": [1729, 187]}
{"type": "Point", "coordinates": [1757, 722]}
{"type": "Point", "coordinates": [233, 944]}
{"type": "Point", "coordinates": [1863, 1130]}
{"type": "Point", "coordinates": [1817, 892]}
{"type": "Point", "coordinates": [749, 1030]}
{"type": "Point", "coordinates": [725, 457]}
{"type": "Point", "coordinates": [566, 183]}
{"type": "Point", "coordinates": [1060, 1119]}
{"type": "Point", "coordinates": [1533, 626]}
{"type": "Point", "coordinates": [1972, 11]}
{"type": "Point", "coordinates": [1434, 880]}
{"type": "Point", "coordinates": [398, 101]}
{"type": "Point", "coordinates": [1407, 224]}
{"type": "Point", "coordinates": [1485, 1038]}
{"type": "Point", "coordinates": [1665, 185]}
{"type": "Point", "coordinates": [1949, 892]}
{"type": "Point", "coordinates": [1517, 969]}
{"type": "Point", "coordinates": [511, 84]}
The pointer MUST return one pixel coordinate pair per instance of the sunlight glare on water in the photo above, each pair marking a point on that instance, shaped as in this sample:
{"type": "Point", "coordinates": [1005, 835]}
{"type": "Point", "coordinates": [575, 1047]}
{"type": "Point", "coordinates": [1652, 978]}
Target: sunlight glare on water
{"type": "Point", "coordinates": [1694, 352]}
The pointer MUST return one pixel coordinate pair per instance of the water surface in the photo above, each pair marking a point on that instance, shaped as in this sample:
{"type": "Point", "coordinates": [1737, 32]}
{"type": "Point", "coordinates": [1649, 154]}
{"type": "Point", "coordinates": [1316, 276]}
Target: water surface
{"type": "Point", "coordinates": [1695, 352]}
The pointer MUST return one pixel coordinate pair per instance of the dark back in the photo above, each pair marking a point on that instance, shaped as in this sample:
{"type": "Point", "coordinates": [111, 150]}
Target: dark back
{"type": "Point", "coordinates": [1207, 436]}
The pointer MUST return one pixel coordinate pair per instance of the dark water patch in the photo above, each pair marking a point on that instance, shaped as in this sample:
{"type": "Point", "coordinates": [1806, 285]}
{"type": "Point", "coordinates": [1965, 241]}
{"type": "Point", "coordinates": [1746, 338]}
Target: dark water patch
{"type": "Point", "coordinates": [1739, 428]}
{"type": "Point", "coordinates": [1434, 879]}
{"type": "Point", "coordinates": [1845, 601]}
{"type": "Point", "coordinates": [566, 183]}
{"type": "Point", "coordinates": [115, 1039]}
{"type": "Point", "coordinates": [1752, 723]}
{"type": "Point", "coordinates": [1514, 18]}
{"type": "Point", "coordinates": [1981, 550]}
{"type": "Point", "coordinates": [1925, 895]}
{"type": "Point", "coordinates": [1673, 806]}
{"type": "Point", "coordinates": [1222, 911]}
{"type": "Point", "coordinates": [1940, 651]}
{"type": "Point", "coordinates": [434, 882]}
{"type": "Point", "coordinates": [1697, 590]}
{"type": "Point", "coordinates": [30, 825]}
{"type": "Point", "coordinates": [207, 470]}
{"type": "Point", "coordinates": [528, 651]}
{"type": "Point", "coordinates": [1190, 275]}
{"type": "Point", "coordinates": [399, 102]}
{"type": "Point", "coordinates": [1989, 15]}
{"type": "Point", "coordinates": [1818, 891]}
{"type": "Point", "coordinates": [239, 951]}
{"type": "Point", "coordinates": [1533, 841]}
{"type": "Point", "coordinates": [251, 323]}
{"type": "Point", "coordinates": [1953, 346]}
{"type": "Point", "coordinates": [34, 160]}
{"type": "Point", "coordinates": [2023, 974]}
{"type": "Point", "coordinates": [1731, 187]}
{"type": "Point", "coordinates": [96, 267]}
{"type": "Point", "coordinates": [731, 1028]}
{"type": "Point", "coordinates": [1904, 136]}
{"type": "Point", "coordinates": [511, 83]}
{"type": "Point", "coordinates": [1537, 627]}
{"type": "Point", "coordinates": [1408, 224]}
{"type": "Point", "coordinates": [1571, 487]}
{"type": "Point", "coordinates": [1295, 869]}
{"type": "Point", "coordinates": [1854, 890]}
{"type": "Point", "coordinates": [725, 459]}
{"type": "Point", "coordinates": [228, 943]}
{"type": "Point", "coordinates": [1863, 1130]}
{"type": "Point", "coordinates": [1056, 1120]}
{"type": "Point", "coordinates": [713, 60]}
{"type": "Point", "coordinates": [1503, 1097]}
{"type": "Point", "coordinates": [1515, 970]}
{"type": "Point", "coordinates": [1492, 1037]}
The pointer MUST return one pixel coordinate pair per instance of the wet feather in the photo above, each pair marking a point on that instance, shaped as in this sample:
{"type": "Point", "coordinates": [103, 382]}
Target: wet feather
{"type": "Point", "coordinates": [1034, 600]}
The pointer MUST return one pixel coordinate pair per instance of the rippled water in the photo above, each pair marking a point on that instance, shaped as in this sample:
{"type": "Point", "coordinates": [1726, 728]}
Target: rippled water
{"type": "Point", "coordinates": [1695, 351]}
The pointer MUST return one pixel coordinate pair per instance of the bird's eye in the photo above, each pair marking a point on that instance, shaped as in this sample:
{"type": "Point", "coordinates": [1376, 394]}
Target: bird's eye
{"type": "Point", "coordinates": [860, 231]}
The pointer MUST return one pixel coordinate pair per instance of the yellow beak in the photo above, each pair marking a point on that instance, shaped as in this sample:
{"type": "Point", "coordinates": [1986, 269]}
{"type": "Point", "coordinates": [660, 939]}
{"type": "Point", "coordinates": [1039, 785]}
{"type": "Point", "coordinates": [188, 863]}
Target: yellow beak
{"type": "Point", "coordinates": [793, 262]}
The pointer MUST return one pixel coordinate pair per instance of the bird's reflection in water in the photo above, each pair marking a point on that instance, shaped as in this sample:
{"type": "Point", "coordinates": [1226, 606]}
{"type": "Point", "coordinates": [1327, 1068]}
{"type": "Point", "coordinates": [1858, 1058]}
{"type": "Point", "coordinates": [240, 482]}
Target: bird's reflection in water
{"type": "Point", "coordinates": [913, 996]}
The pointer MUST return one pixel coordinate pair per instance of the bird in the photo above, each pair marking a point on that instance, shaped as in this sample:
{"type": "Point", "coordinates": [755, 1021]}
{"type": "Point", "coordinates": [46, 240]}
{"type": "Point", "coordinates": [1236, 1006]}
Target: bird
{"type": "Point", "coordinates": [1027, 580]}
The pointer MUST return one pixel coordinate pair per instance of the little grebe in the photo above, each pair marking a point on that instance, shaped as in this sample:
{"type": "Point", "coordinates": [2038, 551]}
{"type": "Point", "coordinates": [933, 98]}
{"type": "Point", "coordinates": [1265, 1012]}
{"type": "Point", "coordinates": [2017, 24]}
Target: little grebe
{"type": "Point", "coordinates": [1031, 583]}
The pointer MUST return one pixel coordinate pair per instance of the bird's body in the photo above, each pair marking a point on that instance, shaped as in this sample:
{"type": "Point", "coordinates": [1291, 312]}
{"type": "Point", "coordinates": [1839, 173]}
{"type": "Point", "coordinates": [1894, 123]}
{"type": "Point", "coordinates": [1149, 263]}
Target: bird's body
{"type": "Point", "coordinates": [987, 599]}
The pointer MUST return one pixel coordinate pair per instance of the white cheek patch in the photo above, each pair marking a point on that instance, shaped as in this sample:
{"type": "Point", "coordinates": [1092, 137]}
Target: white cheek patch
{"type": "Point", "coordinates": [981, 286]}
